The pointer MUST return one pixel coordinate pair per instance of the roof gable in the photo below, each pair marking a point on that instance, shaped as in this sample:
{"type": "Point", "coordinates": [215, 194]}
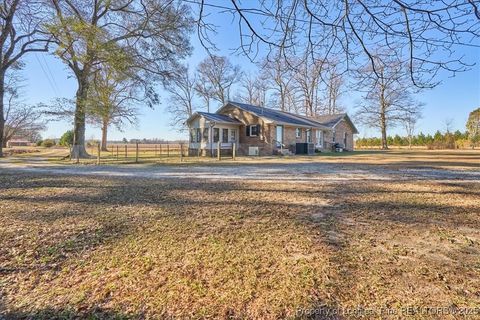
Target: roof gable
{"type": "Point", "coordinates": [214, 117]}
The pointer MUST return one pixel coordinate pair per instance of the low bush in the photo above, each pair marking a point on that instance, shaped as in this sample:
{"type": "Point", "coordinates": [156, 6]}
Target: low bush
{"type": "Point", "coordinates": [48, 143]}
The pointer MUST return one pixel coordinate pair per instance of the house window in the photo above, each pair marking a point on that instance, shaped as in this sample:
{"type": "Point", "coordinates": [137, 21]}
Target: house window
{"type": "Point", "coordinates": [298, 133]}
{"type": "Point", "coordinates": [198, 136]}
{"type": "Point", "coordinates": [344, 139]}
{"type": "Point", "coordinates": [216, 134]}
{"type": "Point", "coordinates": [253, 130]}
{"type": "Point", "coordinates": [233, 135]}
{"type": "Point", "coordinates": [205, 135]}
{"type": "Point", "coordinates": [309, 135]}
{"type": "Point", "coordinates": [224, 135]}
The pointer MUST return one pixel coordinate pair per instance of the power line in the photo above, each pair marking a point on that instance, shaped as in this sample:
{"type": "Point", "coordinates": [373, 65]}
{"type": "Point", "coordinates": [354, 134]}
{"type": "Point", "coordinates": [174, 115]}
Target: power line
{"type": "Point", "coordinates": [47, 76]}
{"type": "Point", "coordinates": [50, 73]}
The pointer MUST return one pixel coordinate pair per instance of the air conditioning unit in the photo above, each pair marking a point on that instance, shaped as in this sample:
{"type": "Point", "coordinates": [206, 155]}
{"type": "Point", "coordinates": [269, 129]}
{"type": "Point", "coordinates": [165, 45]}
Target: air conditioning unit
{"type": "Point", "coordinates": [253, 151]}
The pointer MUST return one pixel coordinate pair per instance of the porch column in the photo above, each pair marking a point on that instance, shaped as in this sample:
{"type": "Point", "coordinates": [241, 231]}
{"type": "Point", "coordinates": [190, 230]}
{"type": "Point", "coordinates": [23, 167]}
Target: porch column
{"type": "Point", "coordinates": [210, 137]}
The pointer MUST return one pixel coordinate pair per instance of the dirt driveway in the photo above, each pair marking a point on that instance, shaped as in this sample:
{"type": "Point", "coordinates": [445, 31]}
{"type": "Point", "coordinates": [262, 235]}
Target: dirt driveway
{"type": "Point", "coordinates": [380, 166]}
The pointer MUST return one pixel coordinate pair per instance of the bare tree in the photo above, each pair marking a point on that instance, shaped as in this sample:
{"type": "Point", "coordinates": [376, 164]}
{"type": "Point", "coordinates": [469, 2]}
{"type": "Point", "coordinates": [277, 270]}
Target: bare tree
{"type": "Point", "coordinates": [147, 39]}
{"type": "Point", "coordinates": [422, 35]}
{"type": "Point", "coordinates": [182, 95]}
{"type": "Point", "coordinates": [410, 120]}
{"type": "Point", "coordinates": [204, 88]}
{"type": "Point", "coordinates": [308, 78]}
{"type": "Point", "coordinates": [221, 74]}
{"type": "Point", "coordinates": [19, 34]}
{"type": "Point", "coordinates": [448, 124]}
{"type": "Point", "coordinates": [254, 89]}
{"type": "Point", "coordinates": [284, 90]}
{"type": "Point", "coordinates": [21, 120]}
{"type": "Point", "coordinates": [388, 99]}
{"type": "Point", "coordinates": [334, 89]}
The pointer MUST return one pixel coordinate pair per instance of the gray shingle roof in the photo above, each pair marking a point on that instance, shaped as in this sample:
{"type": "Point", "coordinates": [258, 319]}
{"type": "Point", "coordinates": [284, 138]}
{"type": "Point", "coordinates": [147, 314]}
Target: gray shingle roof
{"type": "Point", "coordinates": [330, 119]}
{"type": "Point", "coordinates": [277, 115]}
{"type": "Point", "coordinates": [220, 118]}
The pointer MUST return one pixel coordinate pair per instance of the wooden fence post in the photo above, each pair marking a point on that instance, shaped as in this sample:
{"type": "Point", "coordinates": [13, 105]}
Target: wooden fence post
{"type": "Point", "coordinates": [155, 150]}
{"type": "Point", "coordinates": [160, 150]}
{"type": "Point", "coordinates": [234, 150]}
{"type": "Point", "coordinates": [98, 153]}
{"type": "Point", "coordinates": [219, 156]}
{"type": "Point", "coordinates": [168, 150]}
{"type": "Point", "coordinates": [117, 152]}
{"type": "Point", "coordinates": [136, 152]}
{"type": "Point", "coordinates": [181, 152]}
{"type": "Point", "coordinates": [126, 151]}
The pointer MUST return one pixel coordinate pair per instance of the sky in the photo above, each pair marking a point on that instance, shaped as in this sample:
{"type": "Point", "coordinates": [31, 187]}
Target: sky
{"type": "Point", "coordinates": [47, 78]}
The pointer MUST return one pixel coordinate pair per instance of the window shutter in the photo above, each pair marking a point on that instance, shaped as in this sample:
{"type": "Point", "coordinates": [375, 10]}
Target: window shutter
{"type": "Point", "coordinates": [248, 130]}
{"type": "Point", "coordinates": [258, 129]}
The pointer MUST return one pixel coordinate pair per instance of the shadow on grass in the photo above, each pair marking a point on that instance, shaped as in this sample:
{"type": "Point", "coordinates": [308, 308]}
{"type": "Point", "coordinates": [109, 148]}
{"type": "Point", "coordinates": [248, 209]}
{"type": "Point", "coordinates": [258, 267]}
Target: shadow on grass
{"type": "Point", "coordinates": [93, 195]}
{"type": "Point", "coordinates": [68, 314]}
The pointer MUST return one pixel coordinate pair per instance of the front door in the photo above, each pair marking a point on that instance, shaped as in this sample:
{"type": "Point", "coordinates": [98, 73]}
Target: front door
{"type": "Point", "coordinates": [309, 135]}
{"type": "Point", "coordinates": [319, 136]}
{"type": "Point", "coordinates": [279, 136]}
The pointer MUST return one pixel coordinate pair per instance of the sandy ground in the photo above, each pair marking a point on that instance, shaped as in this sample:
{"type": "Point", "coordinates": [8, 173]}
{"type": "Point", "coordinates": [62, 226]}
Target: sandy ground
{"type": "Point", "coordinates": [272, 238]}
{"type": "Point", "coordinates": [292, 171]}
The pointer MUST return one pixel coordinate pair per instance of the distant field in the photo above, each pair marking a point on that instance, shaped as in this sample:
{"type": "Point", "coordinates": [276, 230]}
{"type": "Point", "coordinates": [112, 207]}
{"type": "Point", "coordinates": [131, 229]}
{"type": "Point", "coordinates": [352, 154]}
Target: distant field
{"type": "Point", "coordinates": [152, 154]}
{"type": "Point", "coordinates": [355, 232]}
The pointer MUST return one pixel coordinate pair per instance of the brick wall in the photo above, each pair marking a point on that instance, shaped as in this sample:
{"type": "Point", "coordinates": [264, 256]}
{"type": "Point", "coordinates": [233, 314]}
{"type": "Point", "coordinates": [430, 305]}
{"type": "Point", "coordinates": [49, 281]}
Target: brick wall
{"type": "Point", "coordinates": [340, 130]}
{"type": "Point", "coordinates": [264, 140]}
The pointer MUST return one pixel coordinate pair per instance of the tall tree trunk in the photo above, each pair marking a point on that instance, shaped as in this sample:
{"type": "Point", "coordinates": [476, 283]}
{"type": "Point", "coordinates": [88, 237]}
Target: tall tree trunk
{"type": "Point", "coordinates": [383, 117]}
{"type": "Point", "coordinates": [383, 127]}
{"type": "Point", "coordinates": [104, 135]}
{"type": "Point", "coordinates": [2, 119]}
{"type": "Point", "coordinates": [78, 149]}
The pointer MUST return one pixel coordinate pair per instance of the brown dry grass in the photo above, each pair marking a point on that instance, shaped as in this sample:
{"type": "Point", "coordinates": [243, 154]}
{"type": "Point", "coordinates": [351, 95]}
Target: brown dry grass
{"type": "Point", "coordinates": [86, 246]}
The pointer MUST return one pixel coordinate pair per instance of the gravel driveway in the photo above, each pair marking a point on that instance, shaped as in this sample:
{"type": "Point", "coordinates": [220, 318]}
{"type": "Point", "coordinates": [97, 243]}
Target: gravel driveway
{"type": "Point", "coordinates": [284, 171]}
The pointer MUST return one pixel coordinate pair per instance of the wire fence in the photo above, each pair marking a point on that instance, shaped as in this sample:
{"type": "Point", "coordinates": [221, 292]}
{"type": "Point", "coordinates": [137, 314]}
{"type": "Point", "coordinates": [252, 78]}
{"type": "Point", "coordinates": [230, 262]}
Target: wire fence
{"type": "Point", "coordinates": [138, 152]}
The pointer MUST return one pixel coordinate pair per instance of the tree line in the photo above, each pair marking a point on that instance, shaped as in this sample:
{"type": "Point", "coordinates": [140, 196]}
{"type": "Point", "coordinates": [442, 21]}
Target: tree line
{"type": "Point", "coordinates": [446, 140]}
{"type": "Point", "coordinates": [119, 52]}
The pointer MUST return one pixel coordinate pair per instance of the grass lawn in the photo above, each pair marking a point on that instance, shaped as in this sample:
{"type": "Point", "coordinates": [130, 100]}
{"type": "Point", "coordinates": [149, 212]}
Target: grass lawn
{"type": "Point", "coordinates": [75, 247]}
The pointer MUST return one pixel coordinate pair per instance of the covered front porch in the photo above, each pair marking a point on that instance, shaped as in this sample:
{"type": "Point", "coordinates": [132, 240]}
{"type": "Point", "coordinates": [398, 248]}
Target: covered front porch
{"type": "Point", "coordinates": [209, 132]}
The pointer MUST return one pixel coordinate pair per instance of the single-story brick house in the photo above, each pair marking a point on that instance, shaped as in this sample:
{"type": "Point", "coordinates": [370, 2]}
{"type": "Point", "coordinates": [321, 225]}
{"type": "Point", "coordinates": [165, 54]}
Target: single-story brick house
{"type": "Point", "coordinates": [258, 130]}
